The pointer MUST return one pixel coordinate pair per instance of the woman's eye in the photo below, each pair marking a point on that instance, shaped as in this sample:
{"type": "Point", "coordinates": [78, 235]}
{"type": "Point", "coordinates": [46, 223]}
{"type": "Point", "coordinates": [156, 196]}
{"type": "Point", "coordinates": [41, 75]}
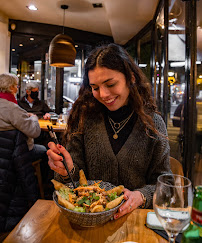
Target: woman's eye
{"type": "Point", "coordinates": [110, 85]}
{"type": "Point", "coordinates": [94, 88]}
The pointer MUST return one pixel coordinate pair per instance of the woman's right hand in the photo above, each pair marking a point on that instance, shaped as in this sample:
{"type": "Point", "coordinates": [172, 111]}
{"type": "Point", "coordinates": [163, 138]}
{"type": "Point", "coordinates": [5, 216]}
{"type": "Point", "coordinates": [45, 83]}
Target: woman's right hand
{"type": "Point", "coordinates": [55, 159]}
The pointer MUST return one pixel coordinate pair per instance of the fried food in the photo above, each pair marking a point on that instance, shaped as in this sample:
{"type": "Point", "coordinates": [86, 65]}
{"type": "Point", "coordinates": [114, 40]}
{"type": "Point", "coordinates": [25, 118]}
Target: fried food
{"type": "Point", "coordinates": [59, 185]}
{"type": "Point", "coordinates": [82, 178]}
{"type": "Point", "coordinates": [89, 198]}
{"type": "Point", "coordinates": [118, 190]}
{"type": "Point", "coordinates": [64, 202]}
{"type": "Point", "coordinates": [115, 202]}
{"type": "Point", "coordinates": [97, 208]}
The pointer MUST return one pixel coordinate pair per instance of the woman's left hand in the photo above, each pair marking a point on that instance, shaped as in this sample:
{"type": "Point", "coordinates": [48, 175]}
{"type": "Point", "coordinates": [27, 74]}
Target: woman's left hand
{"type": "Point", "coordinates": [133, 201]}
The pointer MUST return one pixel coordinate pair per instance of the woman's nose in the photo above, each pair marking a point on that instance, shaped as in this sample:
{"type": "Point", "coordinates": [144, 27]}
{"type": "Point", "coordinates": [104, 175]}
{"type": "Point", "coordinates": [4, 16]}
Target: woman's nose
{"type": "Point", "coordinates": [104, 92]}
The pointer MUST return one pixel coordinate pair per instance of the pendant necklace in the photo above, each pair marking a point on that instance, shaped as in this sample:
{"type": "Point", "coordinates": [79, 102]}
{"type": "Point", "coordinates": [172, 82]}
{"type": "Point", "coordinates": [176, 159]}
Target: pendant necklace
{"type": "Point", "coordinates": [118, 125]}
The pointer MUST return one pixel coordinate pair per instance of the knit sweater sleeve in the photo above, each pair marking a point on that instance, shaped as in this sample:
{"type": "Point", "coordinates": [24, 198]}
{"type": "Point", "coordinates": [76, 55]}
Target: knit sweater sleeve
{"type": "Point", "coordinates": [159, 163]}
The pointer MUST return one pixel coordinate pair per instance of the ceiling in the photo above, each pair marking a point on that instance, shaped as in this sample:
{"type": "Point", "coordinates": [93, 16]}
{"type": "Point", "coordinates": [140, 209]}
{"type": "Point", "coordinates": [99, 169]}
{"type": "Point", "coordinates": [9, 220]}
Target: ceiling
{"type": "Point", "coordinates": [121, 19]}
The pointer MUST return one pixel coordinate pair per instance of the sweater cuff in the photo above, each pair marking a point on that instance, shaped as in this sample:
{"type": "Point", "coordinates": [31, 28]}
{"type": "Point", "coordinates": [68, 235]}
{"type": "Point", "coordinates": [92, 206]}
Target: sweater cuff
{"type": "Point", "coordinates": [148, 192]}
{"type": "Point", "coordinates": [66, 179]}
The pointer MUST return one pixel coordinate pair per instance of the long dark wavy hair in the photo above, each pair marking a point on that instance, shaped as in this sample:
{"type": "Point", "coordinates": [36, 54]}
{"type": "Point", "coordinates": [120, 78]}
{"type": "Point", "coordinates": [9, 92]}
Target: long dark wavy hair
{"type": "Point", "coordinates": [113, 57]}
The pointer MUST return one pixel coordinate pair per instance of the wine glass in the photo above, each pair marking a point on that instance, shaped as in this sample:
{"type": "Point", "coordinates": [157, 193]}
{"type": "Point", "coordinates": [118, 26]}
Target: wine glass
{"type": "Point", "coordinates": [172, 203]}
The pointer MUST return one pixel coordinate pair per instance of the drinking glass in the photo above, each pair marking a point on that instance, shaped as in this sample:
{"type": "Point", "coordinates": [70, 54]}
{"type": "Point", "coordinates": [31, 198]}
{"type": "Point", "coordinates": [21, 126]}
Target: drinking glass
{"type": "Point", "coordinates": [172, 203]}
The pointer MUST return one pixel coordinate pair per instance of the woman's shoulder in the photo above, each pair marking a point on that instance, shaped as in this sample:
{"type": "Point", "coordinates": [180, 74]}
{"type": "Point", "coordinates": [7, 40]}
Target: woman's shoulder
{"type": "Point", "coordinates": [159, 123]}
{"type": "Point", "coordinates": [157, 117]}
{"type": "Point", "coordinates": [5, 104]}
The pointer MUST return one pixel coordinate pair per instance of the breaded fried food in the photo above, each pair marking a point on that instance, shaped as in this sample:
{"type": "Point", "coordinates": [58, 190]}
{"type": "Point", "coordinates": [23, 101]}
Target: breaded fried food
{"type": "Point", "coordinates": [118, 190]}
{"type": "Point", "coordinates": [115, 202]}
{"type": "Point", "coordinates": [58, 185]}
{"type": "Point", "coordinates": [97, 208]}
{"type": "Point", "coordinates": [82, 178]}
{"type": "Point", "coordinates": [64, 202]}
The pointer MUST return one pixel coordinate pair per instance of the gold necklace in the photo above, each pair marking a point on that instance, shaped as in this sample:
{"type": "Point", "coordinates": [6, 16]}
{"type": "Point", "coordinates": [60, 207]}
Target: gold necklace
{"type": "Point", "coordinates": [118, 125]}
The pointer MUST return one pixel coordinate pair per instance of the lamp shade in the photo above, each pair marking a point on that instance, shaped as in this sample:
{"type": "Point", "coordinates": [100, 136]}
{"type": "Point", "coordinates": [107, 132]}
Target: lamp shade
{"type": "Point", "coordinates": [62, 52]}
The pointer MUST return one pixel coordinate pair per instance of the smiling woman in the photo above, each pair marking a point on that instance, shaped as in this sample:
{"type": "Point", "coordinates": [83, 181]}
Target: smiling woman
{"type": "Point", "coordinates": [109, 87]}
{"type": "Point", "coordinates": [114, 132]}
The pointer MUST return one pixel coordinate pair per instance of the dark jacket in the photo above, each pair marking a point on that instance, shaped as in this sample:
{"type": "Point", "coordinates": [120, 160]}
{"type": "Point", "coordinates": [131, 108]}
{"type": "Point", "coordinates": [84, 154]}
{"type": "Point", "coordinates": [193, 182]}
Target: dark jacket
{"type": "Point", "coordinates": [18, 185]}
{"type": "Point", "coordinates": [39, 107]}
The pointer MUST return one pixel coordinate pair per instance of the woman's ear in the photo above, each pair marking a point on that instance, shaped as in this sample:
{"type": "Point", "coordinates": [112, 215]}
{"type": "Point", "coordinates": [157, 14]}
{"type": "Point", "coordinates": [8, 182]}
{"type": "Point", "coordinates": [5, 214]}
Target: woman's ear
{"type": "Point", "coordinates": [133, 79]}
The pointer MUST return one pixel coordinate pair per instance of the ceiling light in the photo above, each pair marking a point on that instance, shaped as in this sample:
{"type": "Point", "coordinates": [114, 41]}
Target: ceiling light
{"type": "Point", "coordinates": [171, 74]}
{"type": "Point", "coordinates": [20, 44]}
{"type": "Point", "coordinates": [31, 38]}
{"type": "Point", "coordinates": [76, 46]}
{"type": "Point", "coordinates": [13, 49]}
{"type": "Point", "coordinates": [143, 65]}
{"type": "Point", "coordinates": [32, 7]}
{"type": "Point", "coordinates": [62, 52]}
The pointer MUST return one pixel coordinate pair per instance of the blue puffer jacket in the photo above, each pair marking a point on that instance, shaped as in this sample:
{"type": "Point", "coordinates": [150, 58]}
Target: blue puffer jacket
{"type": "Point", "coordinates": [18, 185]}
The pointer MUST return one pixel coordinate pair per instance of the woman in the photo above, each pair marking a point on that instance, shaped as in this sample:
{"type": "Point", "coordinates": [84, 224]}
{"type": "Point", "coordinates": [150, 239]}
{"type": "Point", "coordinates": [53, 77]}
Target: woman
{"type": "Point", "coordinates": [114, 131]}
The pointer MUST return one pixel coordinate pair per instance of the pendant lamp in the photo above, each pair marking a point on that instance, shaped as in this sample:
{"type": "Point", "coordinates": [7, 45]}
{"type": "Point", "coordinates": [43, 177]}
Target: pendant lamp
{"type": "Point", "coordinates": [62, 52]}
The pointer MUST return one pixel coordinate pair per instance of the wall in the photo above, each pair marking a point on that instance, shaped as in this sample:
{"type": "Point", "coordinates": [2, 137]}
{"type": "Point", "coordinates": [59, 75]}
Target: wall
{"type": "Point", "coordinates": [4, 44]}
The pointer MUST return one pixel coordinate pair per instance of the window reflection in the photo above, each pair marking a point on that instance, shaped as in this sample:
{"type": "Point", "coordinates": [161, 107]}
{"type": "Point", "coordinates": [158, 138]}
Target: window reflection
{"type": "Point", "coordinates": [176, 76]}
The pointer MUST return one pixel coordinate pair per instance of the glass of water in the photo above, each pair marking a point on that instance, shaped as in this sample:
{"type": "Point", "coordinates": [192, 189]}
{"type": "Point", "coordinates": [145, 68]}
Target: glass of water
{"type": "Point", "coordinates": [172, 203]}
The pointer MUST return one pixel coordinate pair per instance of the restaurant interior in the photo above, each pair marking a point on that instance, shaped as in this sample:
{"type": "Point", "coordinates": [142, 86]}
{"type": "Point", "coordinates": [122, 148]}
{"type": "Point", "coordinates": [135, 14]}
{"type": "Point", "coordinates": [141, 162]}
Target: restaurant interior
{"type": "Point", "coordinates": [164, 37]}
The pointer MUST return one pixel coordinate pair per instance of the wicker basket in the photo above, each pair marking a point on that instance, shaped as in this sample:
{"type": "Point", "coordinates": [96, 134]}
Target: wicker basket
{"type": "Point", "coordinates": [88, 219]}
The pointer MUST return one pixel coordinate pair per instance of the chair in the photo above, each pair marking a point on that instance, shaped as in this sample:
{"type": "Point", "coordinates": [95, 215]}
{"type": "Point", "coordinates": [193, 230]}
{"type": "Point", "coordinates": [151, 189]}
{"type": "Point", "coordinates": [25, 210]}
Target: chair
{"type": "Point", "coordinates": [36, 165]}
{"type": "Point", "coordinates": [176, 167]}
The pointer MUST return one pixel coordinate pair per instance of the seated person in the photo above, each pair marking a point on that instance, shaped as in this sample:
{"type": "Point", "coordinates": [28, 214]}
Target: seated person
{"type": "Point", "coordinates": [114, 132]}
{"type": "Point", "coordinates": [17, 173]}
{"type": "Point", "coordinates": [14, 117]}
{"type": "Point", "coordinates": [31, 103]}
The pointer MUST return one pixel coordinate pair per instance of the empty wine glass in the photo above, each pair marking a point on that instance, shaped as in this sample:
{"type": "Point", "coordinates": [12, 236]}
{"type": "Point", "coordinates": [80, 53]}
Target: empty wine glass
{"type": "Point", "coordinates": [172, 203]}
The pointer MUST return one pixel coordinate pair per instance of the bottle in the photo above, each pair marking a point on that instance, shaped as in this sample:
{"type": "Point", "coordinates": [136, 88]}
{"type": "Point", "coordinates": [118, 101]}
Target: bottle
{"type": "Point", "coordinates": [193, 234]}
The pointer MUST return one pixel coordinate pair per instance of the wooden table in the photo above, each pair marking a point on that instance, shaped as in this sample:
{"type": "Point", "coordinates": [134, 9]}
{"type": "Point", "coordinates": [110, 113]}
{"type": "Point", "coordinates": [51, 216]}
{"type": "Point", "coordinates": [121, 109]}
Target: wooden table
{"type": "Point", "coordinates": [59, 127]}
{"type": "Point", "coordinates": [45, 223]}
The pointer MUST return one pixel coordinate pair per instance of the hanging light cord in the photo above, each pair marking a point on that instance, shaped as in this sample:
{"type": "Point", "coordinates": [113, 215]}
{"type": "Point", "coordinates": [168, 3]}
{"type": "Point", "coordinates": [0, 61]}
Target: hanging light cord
{"type": "Point", "coordinates": [64, 23]}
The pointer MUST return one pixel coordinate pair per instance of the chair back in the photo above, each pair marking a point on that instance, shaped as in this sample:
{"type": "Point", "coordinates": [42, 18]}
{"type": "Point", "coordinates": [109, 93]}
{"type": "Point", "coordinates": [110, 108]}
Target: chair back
{"type": "Point", "coordinates": [176, 167]}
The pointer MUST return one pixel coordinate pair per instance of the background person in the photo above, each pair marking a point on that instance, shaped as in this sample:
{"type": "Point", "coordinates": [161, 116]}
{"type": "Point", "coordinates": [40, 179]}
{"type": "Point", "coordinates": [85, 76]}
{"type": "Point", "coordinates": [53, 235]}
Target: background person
{"type": "Point", "coordinates": [115, 133]}
{"type": "Point", "coordinates": [12, 116]}
{"type": "Point", "coordinates": [31, 103]}
{"type": "Point", "coordinates": [18, 185]}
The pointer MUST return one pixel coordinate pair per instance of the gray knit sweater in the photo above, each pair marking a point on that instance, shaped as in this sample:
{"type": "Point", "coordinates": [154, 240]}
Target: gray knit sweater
{"type": "Point", "coordinates": [136, 166]}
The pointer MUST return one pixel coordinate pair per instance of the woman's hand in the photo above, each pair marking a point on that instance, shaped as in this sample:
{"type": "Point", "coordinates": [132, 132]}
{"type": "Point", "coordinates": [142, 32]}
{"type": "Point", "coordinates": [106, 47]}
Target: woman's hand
{"type": "Point", "coordinates": [55, 159]}
{"type": "Point", "coordinates": [133, 201]}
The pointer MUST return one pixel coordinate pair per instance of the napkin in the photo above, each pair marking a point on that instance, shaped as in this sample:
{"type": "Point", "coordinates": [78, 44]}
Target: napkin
{"type": "Point", "coordinates": [165, 236]}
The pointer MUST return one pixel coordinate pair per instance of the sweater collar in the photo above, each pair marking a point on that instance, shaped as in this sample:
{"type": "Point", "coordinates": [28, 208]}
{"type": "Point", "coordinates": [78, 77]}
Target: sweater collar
{"type": "Point", "coordinates": [8, 96]}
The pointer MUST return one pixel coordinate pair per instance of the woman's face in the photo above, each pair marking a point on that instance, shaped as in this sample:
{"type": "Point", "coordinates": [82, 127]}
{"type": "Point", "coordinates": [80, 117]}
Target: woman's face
{"type": "Point", "coordinates": [14, 89]}
{"type": "Point", "coordinates": [109, 87]}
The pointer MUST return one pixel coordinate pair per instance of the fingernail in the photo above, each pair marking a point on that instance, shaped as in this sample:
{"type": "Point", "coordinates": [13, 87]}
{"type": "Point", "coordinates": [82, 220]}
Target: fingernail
{"type": "Point", "coordinates": [59, 146]}
{"type": "Point", "coordinates": [116, 216]}
{"type": "Point", "coordinates": [120, 210]}
{"type": "Point", "coordinates": [61, 159]}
